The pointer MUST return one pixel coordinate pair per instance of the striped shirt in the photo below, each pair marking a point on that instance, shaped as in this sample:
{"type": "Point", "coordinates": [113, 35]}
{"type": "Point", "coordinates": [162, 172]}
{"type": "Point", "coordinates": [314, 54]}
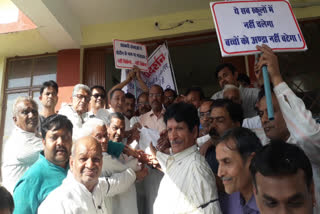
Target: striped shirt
{"type": "Point", "coordinates": [188, 185]}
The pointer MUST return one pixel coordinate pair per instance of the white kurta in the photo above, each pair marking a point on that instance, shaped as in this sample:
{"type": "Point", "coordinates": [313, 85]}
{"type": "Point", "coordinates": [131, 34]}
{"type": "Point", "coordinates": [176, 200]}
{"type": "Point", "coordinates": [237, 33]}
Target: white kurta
{"type": "Point", "coordinates": [188, 184]}
{"type": "Point", "coordinates": [20, 151]}
{"type": "Point", "coordinates": [304, 131]}
{"type": "Point", "coordinates": [249, 99]}
{"type": "Point", "coordinates": [125, 202]}
{"type": "Point", "coordinates": [73, 197]}
{"type": "Point", "coordinates": [75, 119]}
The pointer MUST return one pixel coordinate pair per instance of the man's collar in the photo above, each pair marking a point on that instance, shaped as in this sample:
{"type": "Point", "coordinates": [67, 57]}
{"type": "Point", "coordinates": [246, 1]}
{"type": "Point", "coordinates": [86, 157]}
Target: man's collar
{"type": "Point", "coordinates": [181, 155]}
{"type": "Point", "coordinates": [161, 114]}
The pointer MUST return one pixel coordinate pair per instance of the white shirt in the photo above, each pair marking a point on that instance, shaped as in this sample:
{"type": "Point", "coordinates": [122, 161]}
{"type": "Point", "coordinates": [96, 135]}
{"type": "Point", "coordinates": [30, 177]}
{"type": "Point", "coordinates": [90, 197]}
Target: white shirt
{"type": "Point", "coordinates": [75, 119]}
{"type": "Point", "coordinates": [74, 197]}
{"type": "Point", "coordinates": [187, 184]}
{"type": "Point", "coordinates": [202, 140]}
{"type": "Point", "coordinates": [249, 99]}
{"type": "Point", "coordinates": [125, 202]}
{"type": "Point", "coordinates": [20, 151]}
{"type": "Point", "coordinates": [304, 131]}
{"type": "Point", "coordinates": [252, 123]}
{"type": "Point", "coordinates": [103, 114]}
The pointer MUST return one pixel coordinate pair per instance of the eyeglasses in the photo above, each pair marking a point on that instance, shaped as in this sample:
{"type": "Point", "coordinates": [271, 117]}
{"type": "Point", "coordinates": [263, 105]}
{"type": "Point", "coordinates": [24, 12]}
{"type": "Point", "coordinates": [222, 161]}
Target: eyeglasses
{"type": "Point", "coordinates": [96, 96]}
{"type": "Point", "coordinates": [81, 97]}
{"type": "Point", "coordinates": [155, 95]}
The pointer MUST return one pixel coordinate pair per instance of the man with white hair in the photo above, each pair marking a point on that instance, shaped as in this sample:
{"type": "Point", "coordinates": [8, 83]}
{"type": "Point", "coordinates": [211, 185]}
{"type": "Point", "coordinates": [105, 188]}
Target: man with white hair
{"type": "Point", "coordinates": [233, 93]}
{"type": "Point", "coordinates": [22, 148]}
{"type": "Point", "coordinates": [226, 73]}
{"type": "Point", "coordinates": [77, 111]}
{"type": "Point", "coordinates": [112, 167]}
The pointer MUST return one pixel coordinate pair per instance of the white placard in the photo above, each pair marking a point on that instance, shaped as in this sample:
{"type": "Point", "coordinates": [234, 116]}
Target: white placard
{"type": "Point", "coordinates": [160, 72]}
{"type": "Point", "coordinates": [241, 25]}
{"type": "Point", "coordinates": [128, 54]}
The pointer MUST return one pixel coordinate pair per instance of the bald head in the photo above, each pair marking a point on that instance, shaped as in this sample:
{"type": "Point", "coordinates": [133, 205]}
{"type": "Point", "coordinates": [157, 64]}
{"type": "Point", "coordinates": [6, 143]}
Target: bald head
{"type": "Point", "coordinates": [86, 161]}
{"type": "Point", "coordinates": [87, 141]}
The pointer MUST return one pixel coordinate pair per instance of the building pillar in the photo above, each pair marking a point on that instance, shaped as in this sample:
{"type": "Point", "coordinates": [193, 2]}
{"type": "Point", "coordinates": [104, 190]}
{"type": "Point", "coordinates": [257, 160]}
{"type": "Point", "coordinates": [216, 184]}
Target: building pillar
{"type": "Point", "coordinates": [68, 74]}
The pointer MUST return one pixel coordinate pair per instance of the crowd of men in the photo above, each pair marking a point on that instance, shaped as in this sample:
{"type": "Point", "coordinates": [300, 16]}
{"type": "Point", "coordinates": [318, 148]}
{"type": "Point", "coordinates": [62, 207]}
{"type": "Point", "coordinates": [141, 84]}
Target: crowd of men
{"type": "Point", "coordinates": [163, 153]}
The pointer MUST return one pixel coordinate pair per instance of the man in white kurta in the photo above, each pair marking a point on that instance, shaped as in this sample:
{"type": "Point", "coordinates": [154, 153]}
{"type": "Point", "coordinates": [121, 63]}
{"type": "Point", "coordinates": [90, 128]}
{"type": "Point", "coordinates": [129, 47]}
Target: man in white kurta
{"type": "Point", "coordinates": [83, 191]}
{"type": "Point", "coordinates": [292, 122]}
{"type": "Point", "coordinates": [77, 112]}
{"type": "Point", "coordinates": [188, 185]}
{"type": "Point", "coordinates": [22, 148]}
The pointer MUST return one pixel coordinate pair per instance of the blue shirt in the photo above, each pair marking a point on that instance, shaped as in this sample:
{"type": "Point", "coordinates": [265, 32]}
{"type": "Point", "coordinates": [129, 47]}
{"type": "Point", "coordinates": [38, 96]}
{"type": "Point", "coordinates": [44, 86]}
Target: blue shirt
{"type": "Point", "coordinates": [35, 185]}
{"type": "Point", "coordinates": [235, 204]}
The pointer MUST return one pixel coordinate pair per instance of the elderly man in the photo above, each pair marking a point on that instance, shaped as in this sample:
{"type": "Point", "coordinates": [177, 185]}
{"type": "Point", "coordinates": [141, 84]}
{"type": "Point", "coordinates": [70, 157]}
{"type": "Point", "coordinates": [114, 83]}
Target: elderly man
{"type": "Point", "coordinates": [51, 168]}
{"type": "Point", "coordinates": [143, 107]}
{"type": "Point", "coordinates": [224, 115]}
{"type": "Point", "coordinates": [77, 111]}
{"type": "Point", "coordinates": [82, 191]}
{"type": "Point", "coordinates": [112, 167]}
{"type": "Point", "coordinates": [235, 149]}
{"type": "Point", "coordinates": [98, 99]}
{"type": "Point", "coordinates": [49, 98]}
{"type": "Point", "coordinates": [188, 185]}
{"type": "Point", "coordinates": [292, 122]}
{"type": "Point", "coordinates": [233, 93]}
{"type": "Point", "coordinates": [154, 118]}
{"type": "Point", "coordinates": [22, 148]}
{"type": "Point", "coordinates": [226, 74]}
{"type": "Point", "coordinates": [282, 179]}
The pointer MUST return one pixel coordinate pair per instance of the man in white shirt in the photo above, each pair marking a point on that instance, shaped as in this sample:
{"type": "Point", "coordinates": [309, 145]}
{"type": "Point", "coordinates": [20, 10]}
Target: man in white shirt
{"type": "Point", "coordinates": [292, 122]}
{"type": "Point", "coordinates": [77, 111]}
{"type": "Point", "coordinates": [22, 148]}
{"type": "Point", "coordinates": [115, 169]}
{"type": "Point", "coordinates": [154, 118]}
{"type": "Point", "coordinates": [98, 99]}
{"type": "Point", "coordinates": [226, 74]}
{"type": "Point", "coordinates": [82, 191]}
{"type": "Point", "coordinates": [188, 185]}
{"type": "Point", "coordinates": [233, 93]}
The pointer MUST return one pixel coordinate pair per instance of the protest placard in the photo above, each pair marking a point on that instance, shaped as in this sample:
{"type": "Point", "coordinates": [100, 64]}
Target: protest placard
{"type": "Point", "coordinates": [160, 72]}
{"type": "Point", "coordinates": [128, 54]}
{"type": "Point", "coordinates": [241, 25]}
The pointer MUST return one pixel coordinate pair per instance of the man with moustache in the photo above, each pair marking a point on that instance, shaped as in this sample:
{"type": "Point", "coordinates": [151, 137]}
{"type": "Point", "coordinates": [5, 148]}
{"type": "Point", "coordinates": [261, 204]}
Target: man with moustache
{"type": "Point", "coordinates": [114, 168]}
{"type": "Point", "coordinates": [77, 111]}
{"type": "Point", "coordinates": [82, 191]}
{"type": "Point", "coordinates": [292, 122]}
{"type": "Point", "coordinates": [130, 105]}
{"type": "Point", "coordinates": [143, 107]}
{"type": "Point", "coordinates": [22, 148]}
{"type": "Point", "coordinates": [234, 152]}
{"type": "Point", "coordinates": [154, 118]}
{"type": "Point", "coordinates": [188, 185]}
{"type": "Point", "coordinates": [226, 74]}
{"type": "Point", "coordinates": [51, 168]}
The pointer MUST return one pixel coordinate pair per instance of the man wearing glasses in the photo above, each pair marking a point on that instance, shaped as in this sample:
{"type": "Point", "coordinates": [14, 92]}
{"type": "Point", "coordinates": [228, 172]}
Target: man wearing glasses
{"type": "Point", "coordinates": [98, 99]}
{"type": "Point", "coordinates": [77, 112]}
